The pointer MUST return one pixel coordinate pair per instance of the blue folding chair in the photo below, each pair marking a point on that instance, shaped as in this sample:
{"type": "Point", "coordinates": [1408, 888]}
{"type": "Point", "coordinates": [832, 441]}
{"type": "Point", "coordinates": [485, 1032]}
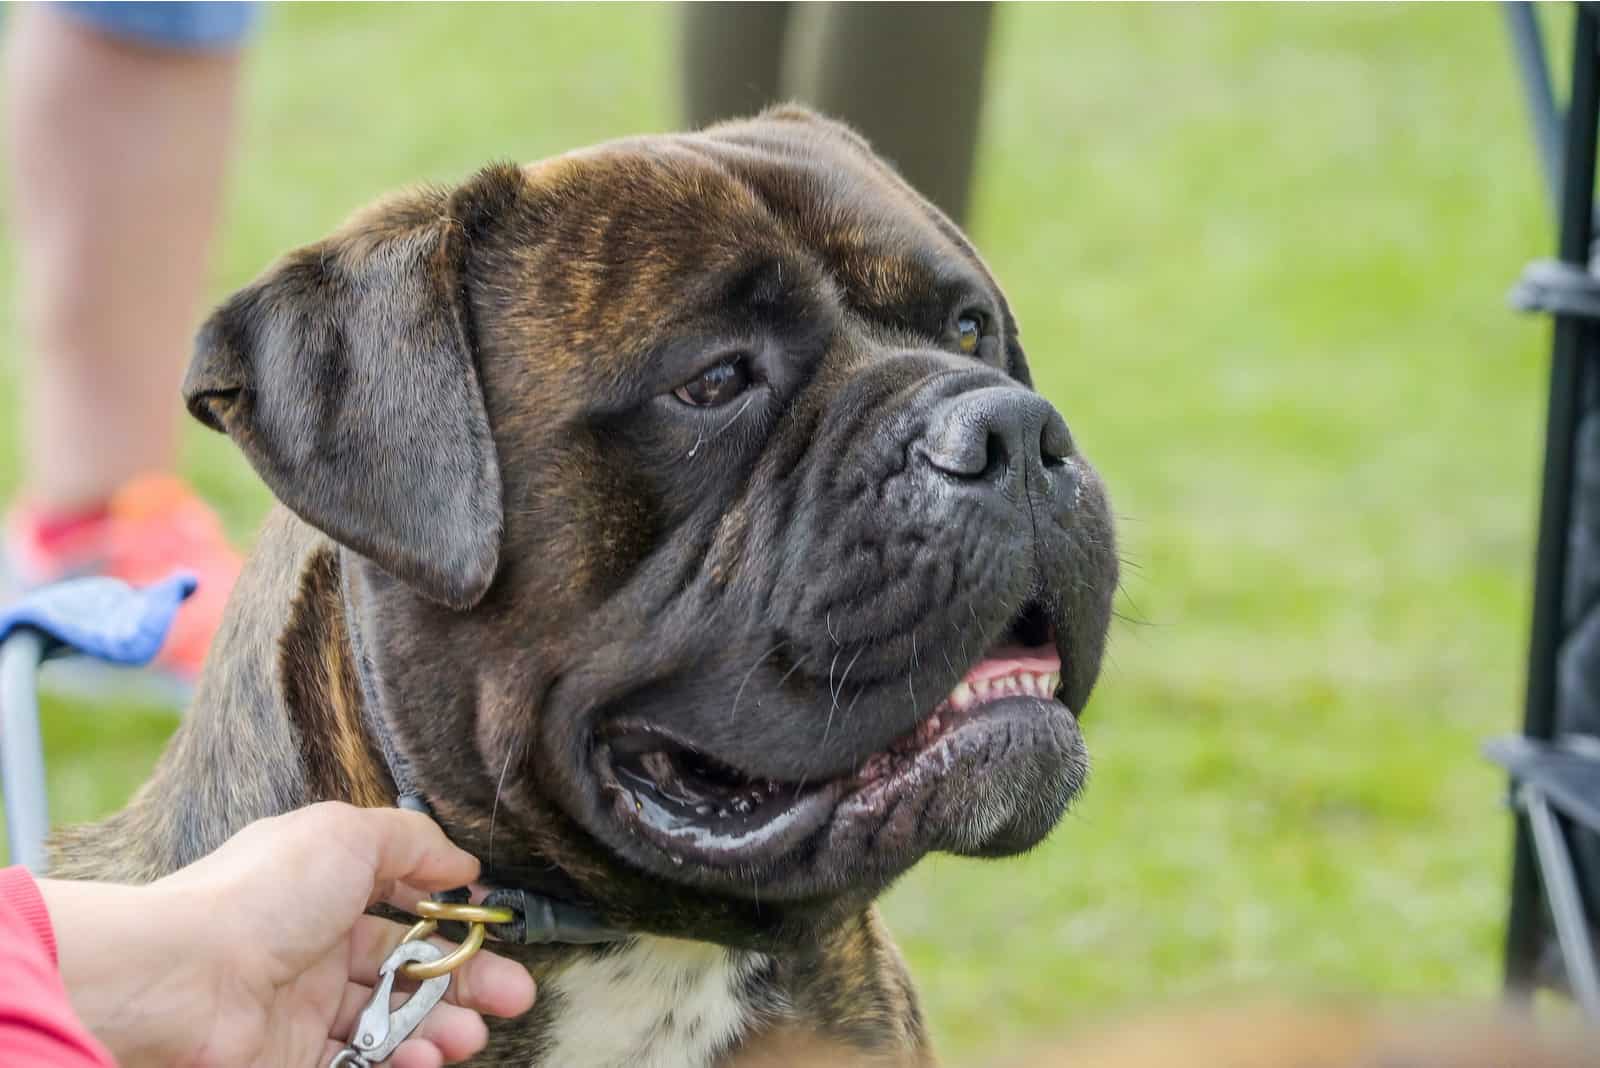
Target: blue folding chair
{"type": "Point", "coordinates": [96, 617]}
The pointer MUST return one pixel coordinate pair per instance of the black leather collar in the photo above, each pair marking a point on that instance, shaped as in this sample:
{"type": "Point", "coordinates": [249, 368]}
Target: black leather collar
{"type": "Point", "coordinates": [540, 919]}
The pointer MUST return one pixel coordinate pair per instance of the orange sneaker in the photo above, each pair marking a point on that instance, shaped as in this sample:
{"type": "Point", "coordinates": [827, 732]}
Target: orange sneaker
{"type": "Point", "coordinates": [151, 527]}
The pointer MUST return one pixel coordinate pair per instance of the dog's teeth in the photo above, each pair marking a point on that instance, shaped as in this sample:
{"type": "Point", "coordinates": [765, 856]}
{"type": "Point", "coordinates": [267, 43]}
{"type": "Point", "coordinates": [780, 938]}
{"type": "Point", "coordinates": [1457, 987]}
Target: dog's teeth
{"type": "Point", "coordinates": [702, 809]}
{"type": "Point", "coordinates": [960, 697]}
{"type": "Point", "coordinates": [980, 689]}
{"type": "Point", "coordinates": [1051, 681]}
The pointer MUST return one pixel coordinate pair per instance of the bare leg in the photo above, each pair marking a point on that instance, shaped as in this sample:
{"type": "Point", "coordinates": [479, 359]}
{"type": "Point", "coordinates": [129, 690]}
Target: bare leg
{"type": "Point", "coordinates": [117, 156]}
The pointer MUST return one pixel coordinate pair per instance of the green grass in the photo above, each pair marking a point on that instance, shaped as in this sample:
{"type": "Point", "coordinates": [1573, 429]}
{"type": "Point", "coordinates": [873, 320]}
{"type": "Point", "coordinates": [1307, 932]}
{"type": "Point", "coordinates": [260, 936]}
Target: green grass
{"type": "Point", "coordinates": [1260, 257]}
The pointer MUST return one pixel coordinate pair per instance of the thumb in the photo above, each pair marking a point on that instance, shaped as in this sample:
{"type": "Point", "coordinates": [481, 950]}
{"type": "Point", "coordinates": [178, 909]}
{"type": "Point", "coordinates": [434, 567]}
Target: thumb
{"type": "Point", "coordinates": [401, 847]}
{"type": "Point", "coordinates": [412, 849]}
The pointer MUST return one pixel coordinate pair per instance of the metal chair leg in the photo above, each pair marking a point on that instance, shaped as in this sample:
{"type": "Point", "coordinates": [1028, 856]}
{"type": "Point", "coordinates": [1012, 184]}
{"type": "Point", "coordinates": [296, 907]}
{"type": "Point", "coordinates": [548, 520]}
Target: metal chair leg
{"type": "Point", "coordinates": [22, 749]}
{"type": "Point", "coordinates": [1543, 114]}
{"type": "Point", "coordinates": [1566, 903]}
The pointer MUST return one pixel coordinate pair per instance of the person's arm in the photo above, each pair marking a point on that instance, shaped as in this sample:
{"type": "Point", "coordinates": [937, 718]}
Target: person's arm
{"type": "Point", "coordinates": [38, 1028]}
{"type": "Point", "coordinates": [260, 953]}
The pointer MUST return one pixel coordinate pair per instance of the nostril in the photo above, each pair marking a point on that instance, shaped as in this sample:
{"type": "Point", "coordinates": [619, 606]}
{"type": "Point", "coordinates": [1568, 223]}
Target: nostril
{"type": "Point", "coordinates": [999, 456]}
{"type": "Point", "coordinates": [1050, 457]}
{"type": "Point", "coordinates": [1055, 440]}
{"type": "Point", "coordinates": [994, 433]}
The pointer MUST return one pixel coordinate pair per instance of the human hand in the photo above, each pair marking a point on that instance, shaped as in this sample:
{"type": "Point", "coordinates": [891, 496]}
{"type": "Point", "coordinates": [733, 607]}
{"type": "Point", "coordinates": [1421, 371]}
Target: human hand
{"type": "Point", "coordinates": [260, 952]}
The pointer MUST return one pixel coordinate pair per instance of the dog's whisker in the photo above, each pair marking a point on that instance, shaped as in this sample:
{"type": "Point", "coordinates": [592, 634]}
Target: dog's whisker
{"type": "Point", "coordinates": [701, 439]}
{"type": "Point", "coordinates": [833, 705]}
{"type": "Point", "coordinates": [846, 674]}
{"type": "Point", "coordinates": [494, 812]}
{"type": "Point", "coordinates": [833, 664]}
{"type": "Point", "coordinates": [796, 667]}
{"type": "Point", "coordinates": [747, 676]}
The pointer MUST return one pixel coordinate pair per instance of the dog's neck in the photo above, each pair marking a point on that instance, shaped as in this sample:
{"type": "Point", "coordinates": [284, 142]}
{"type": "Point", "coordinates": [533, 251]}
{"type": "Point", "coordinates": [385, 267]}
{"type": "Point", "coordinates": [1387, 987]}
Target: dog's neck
{"type": "Point", "coordinates": [278, 723]}
{"type": "Point", "coordinates": [656, 1003]}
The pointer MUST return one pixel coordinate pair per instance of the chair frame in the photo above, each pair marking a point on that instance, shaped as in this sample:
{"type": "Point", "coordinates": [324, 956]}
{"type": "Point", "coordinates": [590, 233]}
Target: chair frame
{"type": "Point", "coordinates": [1555, 777]}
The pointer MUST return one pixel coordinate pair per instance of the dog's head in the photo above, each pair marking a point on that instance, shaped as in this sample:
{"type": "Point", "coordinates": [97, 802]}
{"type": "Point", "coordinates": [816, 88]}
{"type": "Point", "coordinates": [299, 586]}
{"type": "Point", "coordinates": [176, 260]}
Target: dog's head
{"type": "Point", "coordinates": [714, 547]}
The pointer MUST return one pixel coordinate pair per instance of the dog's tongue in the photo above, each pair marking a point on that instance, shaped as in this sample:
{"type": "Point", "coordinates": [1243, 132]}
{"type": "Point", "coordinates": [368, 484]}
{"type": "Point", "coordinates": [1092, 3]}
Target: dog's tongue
{"type": "Point", "coordinates": [1014, 660]}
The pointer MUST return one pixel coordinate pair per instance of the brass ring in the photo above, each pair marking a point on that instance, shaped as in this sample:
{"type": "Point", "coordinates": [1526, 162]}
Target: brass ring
{"type": "Point", "coordinates": [441, 910]}
{"type": "Point", "coordinates": [420, 930]}
{"type": "Point", "coordinates": [421, 970]}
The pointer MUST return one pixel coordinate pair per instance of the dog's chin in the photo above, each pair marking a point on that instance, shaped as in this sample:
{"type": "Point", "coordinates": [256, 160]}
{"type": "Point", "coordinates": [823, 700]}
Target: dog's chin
{"type": "Point", "coordinates": [987, 772]}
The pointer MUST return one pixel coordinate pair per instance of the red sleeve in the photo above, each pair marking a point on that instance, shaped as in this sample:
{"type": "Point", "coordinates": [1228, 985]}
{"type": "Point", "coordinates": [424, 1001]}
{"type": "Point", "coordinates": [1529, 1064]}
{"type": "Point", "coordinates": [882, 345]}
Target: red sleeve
{"type": "Point", "coordinates": [37, 1025]}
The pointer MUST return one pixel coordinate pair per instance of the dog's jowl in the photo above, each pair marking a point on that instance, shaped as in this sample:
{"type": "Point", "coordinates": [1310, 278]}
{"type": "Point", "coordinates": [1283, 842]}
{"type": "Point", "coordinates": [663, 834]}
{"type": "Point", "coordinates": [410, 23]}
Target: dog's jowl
{"type": "Point", "coordinates": [713, 558]}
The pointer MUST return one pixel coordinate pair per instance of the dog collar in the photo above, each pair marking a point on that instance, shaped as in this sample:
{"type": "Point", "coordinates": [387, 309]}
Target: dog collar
{"type": "Point", "coordinates": [537, 918]}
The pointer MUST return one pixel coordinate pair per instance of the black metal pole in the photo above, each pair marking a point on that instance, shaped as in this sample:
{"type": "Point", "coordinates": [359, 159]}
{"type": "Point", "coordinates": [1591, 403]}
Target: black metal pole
{"type": "Point", "coordinates": [1542, 111]}
{"type": "Point", "coordinates": [1523, 929]}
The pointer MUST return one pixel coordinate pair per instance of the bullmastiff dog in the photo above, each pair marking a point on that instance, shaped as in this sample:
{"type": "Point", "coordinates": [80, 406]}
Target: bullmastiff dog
{"type": "Point", "coordinates": [681, 513]}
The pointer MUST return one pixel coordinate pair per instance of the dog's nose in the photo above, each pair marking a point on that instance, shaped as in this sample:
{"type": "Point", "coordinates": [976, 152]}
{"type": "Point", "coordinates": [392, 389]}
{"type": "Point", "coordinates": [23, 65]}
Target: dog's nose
{"type": "Point", "coordinates": [995, 433]}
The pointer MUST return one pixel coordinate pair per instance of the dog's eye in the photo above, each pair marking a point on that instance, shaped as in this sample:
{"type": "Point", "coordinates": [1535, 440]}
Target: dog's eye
{"type": "Point", "coordinates": [719, 385]}
{"type": "Point", "coordinates": [969, 331]}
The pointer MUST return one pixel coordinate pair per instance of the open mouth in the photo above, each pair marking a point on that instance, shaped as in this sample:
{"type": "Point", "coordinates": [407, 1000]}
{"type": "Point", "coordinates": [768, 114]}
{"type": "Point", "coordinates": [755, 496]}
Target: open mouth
{"type": "Point", "coordinates": [697, 807]}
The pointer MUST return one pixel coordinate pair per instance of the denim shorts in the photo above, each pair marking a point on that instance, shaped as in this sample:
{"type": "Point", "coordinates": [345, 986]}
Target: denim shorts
{"type": "Point", "coordinates": [205, 25]}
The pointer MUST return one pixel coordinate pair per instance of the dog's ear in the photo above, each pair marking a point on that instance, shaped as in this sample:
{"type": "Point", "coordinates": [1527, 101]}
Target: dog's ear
{"type": "Point", "coordinates": [347, 375]}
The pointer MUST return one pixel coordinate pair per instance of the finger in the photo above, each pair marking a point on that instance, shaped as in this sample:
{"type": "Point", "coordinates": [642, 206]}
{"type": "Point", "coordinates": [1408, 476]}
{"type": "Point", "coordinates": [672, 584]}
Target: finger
{"type": "Point", "coordinates": [415, 1053]}
{"type": "Point", "coordinates": [493, 984]}
{"type": "Point", "coordinates": [454, 1032]}
{"type": "Point", "coordinates": [399, 846]}
{"type": "Point", "coordinates": [418, 1053]}
{"type": "Point", "coordinates": [331, 1049]}
{"type": "Point", "coordinates": [404, 897]}
{"type": "Point", "coordinates": [372, 939]}
{"type": "Point", "coordinates": [413, 850]}
{"type": "Point", "coordinates": [352, 1000]}
{"type": "Point", "coordinates": [487, 983]}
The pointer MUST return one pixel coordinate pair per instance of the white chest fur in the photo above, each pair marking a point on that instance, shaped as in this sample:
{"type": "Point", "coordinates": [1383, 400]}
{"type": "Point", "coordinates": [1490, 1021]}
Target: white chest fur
{"type": "Point", "coordinates": [660, 1003]}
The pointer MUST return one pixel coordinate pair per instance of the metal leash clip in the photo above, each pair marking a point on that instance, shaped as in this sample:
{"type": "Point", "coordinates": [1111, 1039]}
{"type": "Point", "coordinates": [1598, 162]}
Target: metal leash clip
{"type": "Point", "coordinates": [379, 1031]}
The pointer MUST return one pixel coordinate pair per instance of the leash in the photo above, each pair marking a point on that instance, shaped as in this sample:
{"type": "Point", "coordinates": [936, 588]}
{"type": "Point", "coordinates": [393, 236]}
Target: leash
{"type": "Point", "coordinates": [514, 915]}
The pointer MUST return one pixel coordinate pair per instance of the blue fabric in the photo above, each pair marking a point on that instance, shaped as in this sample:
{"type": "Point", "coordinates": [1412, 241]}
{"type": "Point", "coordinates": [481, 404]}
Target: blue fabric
{"type": "Point", "coordinates": [101, 617]}
{"type": "Point", "coordinates": [198, 25]}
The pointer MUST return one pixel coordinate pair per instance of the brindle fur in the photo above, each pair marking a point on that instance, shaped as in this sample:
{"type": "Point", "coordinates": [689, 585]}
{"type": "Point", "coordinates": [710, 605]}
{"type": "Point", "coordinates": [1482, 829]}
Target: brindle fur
{"type": "Point", "coordinates": [445, 395]}
{"type": "Point", "coordinates": [262, 742]}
